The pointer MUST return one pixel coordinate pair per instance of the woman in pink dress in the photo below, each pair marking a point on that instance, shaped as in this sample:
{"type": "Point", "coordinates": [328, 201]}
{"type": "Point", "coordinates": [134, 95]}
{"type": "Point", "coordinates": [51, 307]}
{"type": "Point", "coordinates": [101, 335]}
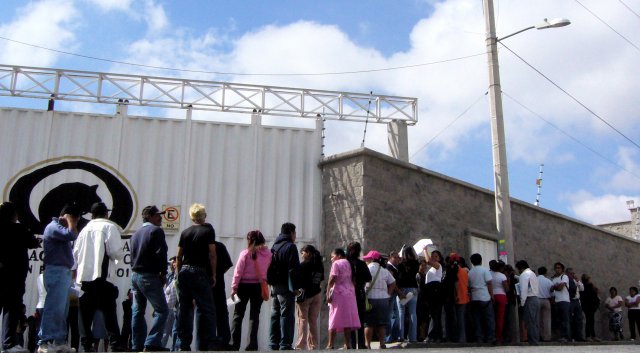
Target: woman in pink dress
{"type": "Point", "coordinates": [341, 296]}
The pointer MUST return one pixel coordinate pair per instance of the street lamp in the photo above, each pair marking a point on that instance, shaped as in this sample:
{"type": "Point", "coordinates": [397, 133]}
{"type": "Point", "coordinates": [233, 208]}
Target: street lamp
{"type": "Point", "coordinates": [500, 173]}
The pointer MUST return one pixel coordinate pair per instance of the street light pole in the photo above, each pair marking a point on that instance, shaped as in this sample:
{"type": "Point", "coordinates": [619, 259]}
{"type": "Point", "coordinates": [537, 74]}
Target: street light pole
{"type": "Point", "coordinates": [500, 172]}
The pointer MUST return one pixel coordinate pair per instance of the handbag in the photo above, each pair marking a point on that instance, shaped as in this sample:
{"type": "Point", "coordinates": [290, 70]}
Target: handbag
{"type": "Point", "coordinates": [264, 287]}
{"type": "Point", "coordinates": [367, 306]}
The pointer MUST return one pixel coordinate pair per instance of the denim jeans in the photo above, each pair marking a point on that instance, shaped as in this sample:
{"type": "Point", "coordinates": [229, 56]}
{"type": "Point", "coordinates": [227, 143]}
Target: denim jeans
{"type": "Point", "coordinates": [283, 321]}
{"type": "Point", "coordinates": [461, 320]}
{"type": "Point", "coordinates": [195, 285]}
{"type": "Point", "coordinates": [409, 310]}
{"type": "Point", "coordinates": [577, 320]}
{"type": "Point", "coordinates": [57, 281]}
{"type": "Point", "coordinates": [393, 330]}
{"type": "Point", "coordinates": [484, 320]}
{"type": "Point", "coordinates": [563, 317]}
{"type": "Point", "coordinates": [147, 287]}
{"type": "Point", "coordinates": [247, 293]}
{"type": "Point", "coordinates": [531, 319]}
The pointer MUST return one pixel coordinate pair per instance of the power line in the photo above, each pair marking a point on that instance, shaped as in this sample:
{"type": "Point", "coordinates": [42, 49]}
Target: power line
{"type": "Point", "coordinates": [630, 9]}
{"type": "Point", "coordinates": [569, 135]}
{"type": "Point", "coordinates": [240, 73]}
{"type": "Point", "coordinates": [606, 24]}
{"type": "Point", "coordinates": [572, 97]}
{"type": "Point", "coordinates": [448, 126]}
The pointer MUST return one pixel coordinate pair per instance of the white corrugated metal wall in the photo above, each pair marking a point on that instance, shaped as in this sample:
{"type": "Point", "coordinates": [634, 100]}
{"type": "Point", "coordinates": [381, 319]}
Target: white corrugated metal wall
{"type": "Point", "coordinates": [247, 175]}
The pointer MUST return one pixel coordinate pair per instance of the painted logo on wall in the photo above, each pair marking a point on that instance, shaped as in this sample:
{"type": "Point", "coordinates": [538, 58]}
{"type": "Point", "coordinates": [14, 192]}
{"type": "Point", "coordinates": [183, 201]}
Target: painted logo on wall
{"type": "Point", "coordinates": [65, 180]}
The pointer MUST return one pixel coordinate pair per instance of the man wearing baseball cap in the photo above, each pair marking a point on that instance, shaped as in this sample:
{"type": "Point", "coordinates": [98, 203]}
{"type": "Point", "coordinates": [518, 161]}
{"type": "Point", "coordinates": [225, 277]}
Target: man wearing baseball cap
{"type": "Point", "coordinates": [98, 245]}
{"type": "Point", "coordinates": [149, 267]}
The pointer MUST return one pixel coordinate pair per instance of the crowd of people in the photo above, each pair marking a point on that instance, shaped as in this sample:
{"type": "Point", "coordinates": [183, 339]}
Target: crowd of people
{"type": "Point", "coordinates": [408, 296]}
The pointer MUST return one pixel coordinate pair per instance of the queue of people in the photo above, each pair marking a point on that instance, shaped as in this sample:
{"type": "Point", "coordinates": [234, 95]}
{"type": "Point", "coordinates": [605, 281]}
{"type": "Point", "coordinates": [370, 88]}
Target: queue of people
{"type": "Point", "coordinates": [408, 296]}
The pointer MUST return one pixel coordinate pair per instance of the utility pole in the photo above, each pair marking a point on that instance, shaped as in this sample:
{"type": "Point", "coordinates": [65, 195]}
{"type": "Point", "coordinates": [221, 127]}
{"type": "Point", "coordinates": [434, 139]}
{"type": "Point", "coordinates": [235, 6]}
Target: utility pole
{"type": "Point", "coordinates": [500, 173]}
{"type": "Point", "coordinates": [539, 184]}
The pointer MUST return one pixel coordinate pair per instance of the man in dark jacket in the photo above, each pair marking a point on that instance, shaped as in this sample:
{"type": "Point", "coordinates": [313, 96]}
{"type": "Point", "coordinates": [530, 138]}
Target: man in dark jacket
{"type": "Point", "coordinates": [284, 277]}
{"type": "Point", "coordinates": [149, 267]}
{"type": "Point", "coordinates": [15, 240]}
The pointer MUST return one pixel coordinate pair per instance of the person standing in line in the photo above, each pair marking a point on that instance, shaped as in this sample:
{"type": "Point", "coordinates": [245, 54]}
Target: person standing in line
{"type": "Point", "coordinates": [407, 283]}
{"type": "Point", "coordinates": [462, 299]}
{"type": "Point", "coordinates": [433, 288]}
{"type": "Point", "coordinates": [632, 302]}
{"type": "Point", "coordinates": [220, 295]}
{"type": "Point", "coordinates": [250, 271]}
{"type": "Point", "coordinates": [562, 301]}
{"type": "Point", "coordinates": [125, 334]}
{"type": "Point", "coordinates": [196, 265]}
{"type": "Point", "coordinates": [500, 286]}
{"type": "Point", "coordinates": [362, 277]}
{"type": "Point", "coordinates": [149, 271]}
{"type": "Point", "coordinates": [96, 250]}
{"type": "Point", "coordinates": [15, 241]}
{"type": "Point", "coordinates": [378, 291]}
{"type": "Point", "coordinates": [590, 302]}
{"type": "Point", "coordinates": [577, 318]}
{"type": "Point", "coordinates": [480, 286]}
{"type": "Point", "coordinates": [449, 295]}
{"type": "Point", "coordinates": [308, 305]}
{"type": "Point", "coordinates": [171, 296]}
{"type": "Point", "coordinates": [341, 297]}
{"type": "Point", "coordinates": [544, 297]}
{"type": "Point", "coordinates": [529, 290]}
{"type": "Point", "coordinates": [614, 305]}
{"type": "Point", "coordinates": [393, 330]}
{"type": "Point", "coordinates": [58, 261]}
{"type": "Point", "coordinates": [283, 275]}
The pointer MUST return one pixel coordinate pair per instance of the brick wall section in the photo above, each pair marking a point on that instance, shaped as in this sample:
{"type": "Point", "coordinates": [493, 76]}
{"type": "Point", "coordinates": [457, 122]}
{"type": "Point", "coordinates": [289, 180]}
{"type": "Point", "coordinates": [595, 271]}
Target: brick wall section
{"type": "Point", "coordinates": [384, 203]}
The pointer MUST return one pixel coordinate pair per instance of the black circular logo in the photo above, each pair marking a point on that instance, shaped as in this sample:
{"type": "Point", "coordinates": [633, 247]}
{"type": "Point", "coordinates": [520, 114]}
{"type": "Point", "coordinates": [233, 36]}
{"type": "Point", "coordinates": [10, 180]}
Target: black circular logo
{"type": "Point", "coordinates": [21, 187]}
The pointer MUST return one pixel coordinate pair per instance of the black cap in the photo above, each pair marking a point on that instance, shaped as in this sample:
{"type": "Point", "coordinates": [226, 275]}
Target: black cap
{"type": "Point", "coordinates": [99, 208]}
{"type": "Point", "coordinates": [151, 211]}
{"type": "Point", "coordinates": [71, 209]}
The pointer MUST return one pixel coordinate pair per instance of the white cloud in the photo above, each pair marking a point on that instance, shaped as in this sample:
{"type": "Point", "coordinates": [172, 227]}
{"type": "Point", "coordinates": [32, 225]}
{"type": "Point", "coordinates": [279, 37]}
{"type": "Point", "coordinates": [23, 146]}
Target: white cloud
{"type": "Point", "coordinates": [601, 209]}
{"type": "Point", "coordinates": [49, 23]}
{"type": "Point", "coordinates": [111, 5]}
{"type": "Point", "coordinates": [627, 180]}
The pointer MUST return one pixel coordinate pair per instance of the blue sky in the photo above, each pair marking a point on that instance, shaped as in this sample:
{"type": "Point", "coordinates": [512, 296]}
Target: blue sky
{"type": "Point", "coordinates": [592, 62]}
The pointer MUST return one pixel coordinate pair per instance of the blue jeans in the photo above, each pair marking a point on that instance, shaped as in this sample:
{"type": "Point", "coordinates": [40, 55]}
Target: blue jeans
{"type": "Point", "coordinates": [409, 310]}
{"type": "Point", "coordinates": [563, 316]}
{"type": "Point", "coordinates": [147, 286]}
{"type": "Point", "coordinates": [283, 321]}
{"type": "Point", "coordinates": [393, 330]}
{"type": "Point", "coordinates": [57, 281]}
{"type": "Point", "coordinates": [461, 320]}
{"type": "Point", "coordinates": [195, 285]}
{"type": "Point", "coordinates": [484, 320]}
{"type": "Point", "coordinates": [531, 320]}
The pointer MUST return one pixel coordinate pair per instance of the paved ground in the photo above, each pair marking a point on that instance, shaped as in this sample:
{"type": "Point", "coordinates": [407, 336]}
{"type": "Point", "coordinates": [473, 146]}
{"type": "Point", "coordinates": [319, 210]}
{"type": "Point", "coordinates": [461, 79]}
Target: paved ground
{"type": "Point", "coordinates": [623, 347]}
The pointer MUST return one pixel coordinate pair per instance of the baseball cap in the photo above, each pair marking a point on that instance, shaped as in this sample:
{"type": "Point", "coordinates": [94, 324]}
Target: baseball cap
{"type": "Point", "coordinates": [372, 255]}
{"type": "Point", "coordinates": [99, 208]}
{"type": "Point", "coordinates": [151, 211]}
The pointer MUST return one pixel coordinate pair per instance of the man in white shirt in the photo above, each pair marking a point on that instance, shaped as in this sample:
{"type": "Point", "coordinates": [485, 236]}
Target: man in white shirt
{"type": "Point", "coordinates": [561, 297]}
{"type": "Point", "coordinates": [544, 296]}
{"type": "Point", "coordinates": [98, 245]}
{"type": "Point", "coordinates": [529, 290]}
{"type": "Point", "coordinates": [481, 304]}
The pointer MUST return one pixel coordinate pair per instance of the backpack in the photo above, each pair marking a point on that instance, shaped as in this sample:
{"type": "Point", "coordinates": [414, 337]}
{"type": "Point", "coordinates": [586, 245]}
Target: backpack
{"type": "Point", "coordinates": [273, 272]}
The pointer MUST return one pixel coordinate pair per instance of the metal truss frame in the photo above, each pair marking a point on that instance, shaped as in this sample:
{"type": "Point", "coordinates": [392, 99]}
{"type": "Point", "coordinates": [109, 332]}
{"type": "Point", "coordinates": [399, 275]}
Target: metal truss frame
{"type": "Point", "coordinates": [165, 92]}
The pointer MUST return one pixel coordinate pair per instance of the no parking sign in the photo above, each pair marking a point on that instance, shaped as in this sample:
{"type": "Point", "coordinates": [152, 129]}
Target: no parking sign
{"type": "Point", "coordinates": [171, 219]}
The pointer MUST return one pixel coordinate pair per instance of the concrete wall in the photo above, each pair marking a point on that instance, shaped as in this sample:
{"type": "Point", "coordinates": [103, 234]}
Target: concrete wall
{"type": "Point", "coordinates": [384, 203]}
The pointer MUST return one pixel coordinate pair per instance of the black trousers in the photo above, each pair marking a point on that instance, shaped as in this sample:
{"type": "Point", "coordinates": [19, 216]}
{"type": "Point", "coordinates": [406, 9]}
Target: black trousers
{"type": "Point", "coordinates": [248, 293]}
{"type": "Point", "coordinates": [11, 306]}
{"type": "Point", "coordinates": [99, 294]}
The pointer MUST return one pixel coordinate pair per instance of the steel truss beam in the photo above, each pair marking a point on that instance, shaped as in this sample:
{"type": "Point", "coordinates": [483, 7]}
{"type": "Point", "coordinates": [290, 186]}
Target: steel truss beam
{"type": "Point", "coordinates": [165, 92]}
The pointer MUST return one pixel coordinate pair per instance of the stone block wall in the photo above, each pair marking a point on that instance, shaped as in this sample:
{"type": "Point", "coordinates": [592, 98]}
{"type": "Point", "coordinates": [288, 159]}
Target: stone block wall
{"type": "Point", "coordinates": [384, 203]}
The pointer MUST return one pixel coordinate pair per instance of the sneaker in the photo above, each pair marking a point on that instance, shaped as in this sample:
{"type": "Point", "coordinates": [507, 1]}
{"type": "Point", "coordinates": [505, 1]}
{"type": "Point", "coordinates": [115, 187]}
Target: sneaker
{"type": "Point", "coordinates": [63, 348]}
{"type": "Point", "coordinates": [16, 349]}
{"type": "Point", "coordinates": [45, 348]}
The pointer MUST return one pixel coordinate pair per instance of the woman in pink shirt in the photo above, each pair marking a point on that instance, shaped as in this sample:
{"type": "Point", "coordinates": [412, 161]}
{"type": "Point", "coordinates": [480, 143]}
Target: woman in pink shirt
{"type": "Point", "coordinates": [250, 269]}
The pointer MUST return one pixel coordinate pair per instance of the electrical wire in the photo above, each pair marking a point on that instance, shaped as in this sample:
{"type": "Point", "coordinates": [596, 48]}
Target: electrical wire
{"type": "Point", "coordinates": [393, 68]}
{"type": "Point", "coordinates": [570, 136]}
{"type": "Point", "coordinates": [572, 97]}
{"type": "Point", "coordinates": [606, 24]}
{"type": "Point", "coordinates": [629, 8]}
{"type": "Point", "coordinates": [448, 125]}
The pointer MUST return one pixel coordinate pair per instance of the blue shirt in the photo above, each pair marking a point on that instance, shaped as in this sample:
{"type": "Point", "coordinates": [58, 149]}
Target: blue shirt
{"type": "Point", "coordinates": [57, 244]}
